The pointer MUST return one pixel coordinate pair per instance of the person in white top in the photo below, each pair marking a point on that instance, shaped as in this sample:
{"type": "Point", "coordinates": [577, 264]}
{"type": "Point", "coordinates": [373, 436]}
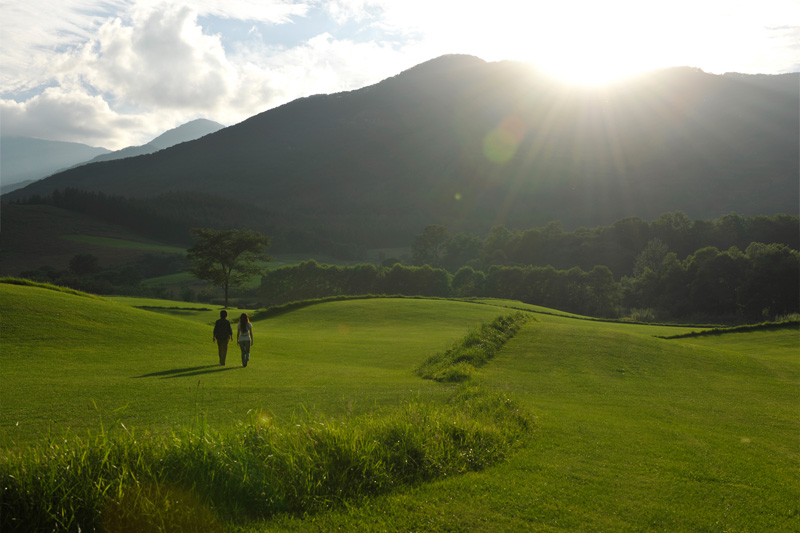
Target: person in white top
{"type": "Point", "coordinates": [244, 336]}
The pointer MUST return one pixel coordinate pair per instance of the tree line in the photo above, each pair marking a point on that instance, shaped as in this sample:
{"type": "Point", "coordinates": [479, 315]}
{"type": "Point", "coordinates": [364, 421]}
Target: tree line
{"type": "Point", "coordinates": [617, 246]}
{"type": "Point", "coordinates": [760, 283]}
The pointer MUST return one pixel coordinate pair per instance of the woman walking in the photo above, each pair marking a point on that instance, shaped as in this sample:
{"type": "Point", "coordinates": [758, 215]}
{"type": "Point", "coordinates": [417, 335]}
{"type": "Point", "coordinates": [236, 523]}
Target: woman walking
{"type": "Point", "coordinates": [244, 334]}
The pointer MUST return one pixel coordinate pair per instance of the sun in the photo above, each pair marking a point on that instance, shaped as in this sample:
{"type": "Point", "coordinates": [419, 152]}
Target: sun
{"type": "Point", "coordinates": [598, 47]}
{"type": "Point", "coordinates": [584, 41]}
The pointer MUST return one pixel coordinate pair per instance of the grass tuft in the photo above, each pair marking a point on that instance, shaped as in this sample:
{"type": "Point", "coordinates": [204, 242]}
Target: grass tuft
{"type": "Point", "coordinates": [458, 363]}
{"type": "Point", "coordinates": [198, 480]}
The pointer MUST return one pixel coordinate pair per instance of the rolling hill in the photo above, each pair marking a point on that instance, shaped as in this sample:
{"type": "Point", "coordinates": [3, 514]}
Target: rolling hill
{"type": "Point", "coordinates": [631, 432]}
{"type": "Point", "coordinates": [470, 144]}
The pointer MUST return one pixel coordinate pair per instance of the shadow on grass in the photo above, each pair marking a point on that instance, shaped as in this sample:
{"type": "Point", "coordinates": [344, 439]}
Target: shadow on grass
{"type": "Point", "coordinates": [186, 372]}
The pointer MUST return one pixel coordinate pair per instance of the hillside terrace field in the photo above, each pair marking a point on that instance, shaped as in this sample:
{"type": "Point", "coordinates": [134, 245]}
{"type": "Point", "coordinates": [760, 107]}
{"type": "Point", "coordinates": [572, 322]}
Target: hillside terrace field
{"type": "Point", "coordinates": [629, 431]}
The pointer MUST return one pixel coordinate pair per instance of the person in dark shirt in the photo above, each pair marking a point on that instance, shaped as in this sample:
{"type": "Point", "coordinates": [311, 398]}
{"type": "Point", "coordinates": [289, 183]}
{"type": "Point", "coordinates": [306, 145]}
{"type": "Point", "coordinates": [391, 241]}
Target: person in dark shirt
{"type": "Point", "coordinates": [223, 334]}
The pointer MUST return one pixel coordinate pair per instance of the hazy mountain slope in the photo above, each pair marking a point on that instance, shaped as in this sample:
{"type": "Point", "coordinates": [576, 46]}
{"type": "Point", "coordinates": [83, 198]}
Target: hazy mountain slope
{"type": "Point", "coordinates": [26, 158]}
{"type": "Point", "coordinates": [184, 133]}
{"type": "Point", "coordinates": [471, 144]}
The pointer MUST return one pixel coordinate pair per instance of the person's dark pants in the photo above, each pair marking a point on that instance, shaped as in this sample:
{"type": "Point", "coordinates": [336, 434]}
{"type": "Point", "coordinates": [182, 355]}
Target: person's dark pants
{"type": "Point", "coordinates": [222, 344]}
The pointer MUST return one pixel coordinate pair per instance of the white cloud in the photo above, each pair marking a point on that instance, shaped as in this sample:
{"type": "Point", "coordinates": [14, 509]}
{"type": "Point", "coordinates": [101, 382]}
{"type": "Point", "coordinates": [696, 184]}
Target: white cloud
{"type": "Point", "coordinates": [119, 72]}
{"type": "Point", "coordinates": [56, 114]}
{"type": "Point", "coordinates": [154, 69]}
{"type": "Point", "coordinates": [163, 60]}
{"type": "Point", "coordinates": [35, 30]}
{"type": "Point", "coordinates": [273, 12]}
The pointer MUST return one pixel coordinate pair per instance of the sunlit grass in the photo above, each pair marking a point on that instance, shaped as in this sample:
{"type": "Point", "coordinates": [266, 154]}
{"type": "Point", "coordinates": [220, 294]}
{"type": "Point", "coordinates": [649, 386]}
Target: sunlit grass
{"type": "Point", "coordinates": [198, 480]}
{"type": "Point", "coordinates": [633, 433]}
{"type": "Point", "coordinates": [161, 367]}
{"type": "Point", "coordinates": [629, 432]}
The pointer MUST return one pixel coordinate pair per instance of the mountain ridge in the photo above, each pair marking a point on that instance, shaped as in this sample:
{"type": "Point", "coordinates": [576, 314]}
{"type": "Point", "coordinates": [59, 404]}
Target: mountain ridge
{"type": "Point", "coordinates": [470, 144]}
{"type": "Point", "coordinates": [28, 158]}
{"type": "Point", "coordinates": [189, 131]}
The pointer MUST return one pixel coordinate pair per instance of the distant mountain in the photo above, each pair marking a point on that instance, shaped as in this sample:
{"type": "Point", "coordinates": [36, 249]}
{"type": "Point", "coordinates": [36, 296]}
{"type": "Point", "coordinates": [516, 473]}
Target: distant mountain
{"type": "Point", "coordinates": [187, 132]}
{"type": "Point", "coordinates": [26, 158]}
{"type": "Point", "coordinates": [469, 144]}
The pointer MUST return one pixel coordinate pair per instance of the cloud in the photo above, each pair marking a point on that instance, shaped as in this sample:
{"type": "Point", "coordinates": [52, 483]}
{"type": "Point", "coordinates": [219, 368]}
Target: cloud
{"type": "Point", "coordinates": [119, 72]}
{"type": "Point", "coordinates": [274, 12]}
{"type": "Point", "coordinates": [56, 114]}
{"type": "Point", "coordinates": [161, 60]}
{"type": "Point", "coordinates": [148, 70]}
{"type": "Point", "coordinates": [40, 29]}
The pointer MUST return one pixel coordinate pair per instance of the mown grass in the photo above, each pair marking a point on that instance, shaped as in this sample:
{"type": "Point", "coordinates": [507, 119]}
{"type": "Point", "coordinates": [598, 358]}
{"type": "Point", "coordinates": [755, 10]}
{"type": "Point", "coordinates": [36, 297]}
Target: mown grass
{"type": "Point", "coordinates": [197, 479]}
{"type": "Point", "coordinates": [632, 432]}
{"type": "Point", "coordinates": [61, 353]}
{"type": "Point", "coordinates": [40, 285]}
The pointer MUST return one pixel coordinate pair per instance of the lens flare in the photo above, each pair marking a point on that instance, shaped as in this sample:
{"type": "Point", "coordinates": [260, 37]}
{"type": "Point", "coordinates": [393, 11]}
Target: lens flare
{"type": "Point", "coordinates": [500, 144]}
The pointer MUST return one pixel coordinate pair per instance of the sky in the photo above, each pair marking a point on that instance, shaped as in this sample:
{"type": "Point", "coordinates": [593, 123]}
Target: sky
{"type": "Point", "coordinates": [116, 73]}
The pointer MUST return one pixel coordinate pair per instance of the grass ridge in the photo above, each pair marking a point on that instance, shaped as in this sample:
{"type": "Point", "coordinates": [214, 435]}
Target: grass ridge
{"type": "Point", "coordinates": [459, 362]}
{"type": "Point", "coordinates": [736, 329]}
{"type": "Point", "coordinates": [49, 286]}
{"type": "Point", "coordinates": [197, 480]}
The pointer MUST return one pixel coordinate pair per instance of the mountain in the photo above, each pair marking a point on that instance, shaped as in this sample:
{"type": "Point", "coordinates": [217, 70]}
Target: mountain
{"type": "Point", "coordinates": [26, 158]}
{"type": "Point", "coordinates": [469, 144]}
{"type": "Point", "coordinates": [184, 133]}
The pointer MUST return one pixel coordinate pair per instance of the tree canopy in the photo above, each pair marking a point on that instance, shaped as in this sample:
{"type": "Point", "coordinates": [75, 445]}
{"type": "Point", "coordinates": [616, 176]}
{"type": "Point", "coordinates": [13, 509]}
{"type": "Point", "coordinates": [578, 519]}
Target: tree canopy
{"type": "Point", "coordinates": [227, 258]}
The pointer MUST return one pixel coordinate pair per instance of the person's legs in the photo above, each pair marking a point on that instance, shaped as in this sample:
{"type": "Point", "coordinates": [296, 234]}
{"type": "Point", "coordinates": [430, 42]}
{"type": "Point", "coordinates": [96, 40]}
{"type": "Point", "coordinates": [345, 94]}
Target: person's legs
{"type": "Point", "coordinates": [223, 350]}
{"type": "Point", "coordinates": [245, 346]}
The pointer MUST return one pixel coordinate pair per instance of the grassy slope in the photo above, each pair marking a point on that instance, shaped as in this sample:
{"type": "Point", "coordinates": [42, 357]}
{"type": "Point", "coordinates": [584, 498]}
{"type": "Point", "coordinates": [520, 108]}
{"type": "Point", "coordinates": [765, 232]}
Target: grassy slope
{"type": "Point", "coordinates": [633, 433]}
{"type": "Point", "coordinates": [113, 242]}
{"type": "Point", "coordinates": [35, 235]}
{"type": "Point", "coordinates": [61, 353]}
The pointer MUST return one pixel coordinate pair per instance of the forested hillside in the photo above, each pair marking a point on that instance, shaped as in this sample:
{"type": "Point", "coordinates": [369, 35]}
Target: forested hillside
{"type": "Point", "coordinates": [470, 145]}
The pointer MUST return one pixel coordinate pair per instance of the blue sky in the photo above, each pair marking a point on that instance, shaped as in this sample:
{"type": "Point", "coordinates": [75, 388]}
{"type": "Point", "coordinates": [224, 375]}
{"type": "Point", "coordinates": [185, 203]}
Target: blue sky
{"type": "Point", "coordinates": [115, 73]}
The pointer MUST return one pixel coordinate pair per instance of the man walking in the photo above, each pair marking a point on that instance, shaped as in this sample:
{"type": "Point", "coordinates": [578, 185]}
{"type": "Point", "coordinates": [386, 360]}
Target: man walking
{"type": "Point", "coordinates": [222, 335]}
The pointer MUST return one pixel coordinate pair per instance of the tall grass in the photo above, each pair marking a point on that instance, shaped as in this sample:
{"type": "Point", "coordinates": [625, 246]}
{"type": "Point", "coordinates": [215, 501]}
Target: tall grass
{"type": "Point", "coordinates": [457, 364]}
{"type": "Point", "coordinates": [198, 480]}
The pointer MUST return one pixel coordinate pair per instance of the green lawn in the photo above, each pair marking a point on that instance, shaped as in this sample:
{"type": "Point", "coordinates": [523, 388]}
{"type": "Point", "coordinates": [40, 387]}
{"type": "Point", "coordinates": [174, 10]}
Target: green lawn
{"type": "Point", "coordinates": [61, 354]}
{"type": "Point", "coordinates": [632, 432]}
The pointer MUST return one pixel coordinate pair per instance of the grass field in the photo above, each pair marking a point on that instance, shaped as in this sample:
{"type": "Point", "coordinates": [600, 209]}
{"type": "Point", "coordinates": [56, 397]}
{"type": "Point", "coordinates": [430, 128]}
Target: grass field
{"type": "Point", "coordinates": [632, 432]}
{"type": "Point", "coordinates": [111, 242]}
{"type": "Point", "coordinates": [61, 353]}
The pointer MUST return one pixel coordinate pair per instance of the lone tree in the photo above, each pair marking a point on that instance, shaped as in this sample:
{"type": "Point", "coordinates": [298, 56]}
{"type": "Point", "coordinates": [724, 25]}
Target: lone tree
{"type": "Point", "coordinates": [227, 258]}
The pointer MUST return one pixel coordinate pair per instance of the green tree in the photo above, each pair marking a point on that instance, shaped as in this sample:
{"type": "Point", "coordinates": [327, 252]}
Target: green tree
{"type": "Point", "coordinates": [773, 280]}
{"type": "Point", "coordinates": [650, 257]}
{"type": "Point", "coordinates": [429, 247]}
{"type": "Point", "coordinates": [227, 258]}
{"type": "Point", "coordinates": [468, 282]}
